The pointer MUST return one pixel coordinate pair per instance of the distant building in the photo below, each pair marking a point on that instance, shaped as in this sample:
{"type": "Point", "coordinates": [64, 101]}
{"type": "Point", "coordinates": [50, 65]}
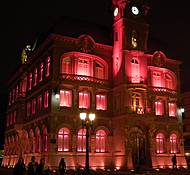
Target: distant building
{"type": "Point", "coordinates": [134, 94]}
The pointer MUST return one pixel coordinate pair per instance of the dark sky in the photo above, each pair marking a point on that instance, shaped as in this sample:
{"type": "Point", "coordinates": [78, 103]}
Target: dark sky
{"type": "Point", "coordinates": [22, 23]}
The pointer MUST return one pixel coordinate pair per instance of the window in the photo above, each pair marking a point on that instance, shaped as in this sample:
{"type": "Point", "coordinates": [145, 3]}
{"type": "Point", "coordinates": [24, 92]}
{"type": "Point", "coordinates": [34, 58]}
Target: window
{"type": "Point", "coordinates": [63, 139]}
{"type": "Point", "coordinates": [48, 67]}
{"type": "Point", "coordinates": [37, 141]}
{"type": "Point", "coordinates": [67, 66]}
{"type": "Point", "coordinates": [33, 106]}
{"type": "Point", "coordinates": [136, 104]}
{"type": "Point", "coordinates": [24, 82]}
{"type": "Point", "coordinates": [28, 109]}
{"type": "Point", "coordinates": [81, 140]}
{"type": "Point", "coordinates": [160, 143]}
{"type": "Point", "coordinates": [156, 79]}
{"type": "Point", "coordinates": [45, 140]}
{"type": "Point", "coordinates": [169, 82]}
{"type": "Point", "coordinates": [84, 100]}
{"type": "Point", "coordinates": [41, 72]}
{"type": "Point", "coordinates": [101, 102]}
{"type": "Point", "coordinates": [35, 76]}
{"type": "Point", "coordinates": [39, 103]}
{"type": "Point", "coordinates": [99, 71]}
{"type": "Point", "coordinates": [14, 116]}
{"type": "Point", "coordinates": [173, 143]}
{"type": "Point", "coordinates": [172, 109]}
{"type": "Point", "coordinates": [30, 81]}
{"type": "Point", "coordinates": [66, 98]}
{"type": "Point", "coordinates": [46, 99]}
{"type": "Point", "coordinates": [135, 71]}
{"type": "Point", "coordinates": [100, 141]}
{"type": "Point", "coordinates": [83, 67]}
{"type": "Point", "coordinates": [16, 94]}
{"type": "Point", "coordinates": [159, 108]}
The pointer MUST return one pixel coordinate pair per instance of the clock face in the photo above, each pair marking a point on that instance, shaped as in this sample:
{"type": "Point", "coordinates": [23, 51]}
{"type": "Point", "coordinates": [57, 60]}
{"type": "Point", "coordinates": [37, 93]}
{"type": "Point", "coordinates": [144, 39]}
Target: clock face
{"type": "Point", "coordinates": [115, 11]}
{"type": "Point", "coordinates": [135, 10]}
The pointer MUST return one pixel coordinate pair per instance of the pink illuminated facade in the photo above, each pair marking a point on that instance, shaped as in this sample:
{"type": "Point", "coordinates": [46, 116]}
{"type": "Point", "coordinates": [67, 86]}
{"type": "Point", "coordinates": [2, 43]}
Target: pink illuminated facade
{"type": "Point", "coordinates": [134, 94]}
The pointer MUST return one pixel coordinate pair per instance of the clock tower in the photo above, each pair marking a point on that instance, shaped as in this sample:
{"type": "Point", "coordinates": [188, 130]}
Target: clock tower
{"type": "Point", "coordinates": [130, 29]}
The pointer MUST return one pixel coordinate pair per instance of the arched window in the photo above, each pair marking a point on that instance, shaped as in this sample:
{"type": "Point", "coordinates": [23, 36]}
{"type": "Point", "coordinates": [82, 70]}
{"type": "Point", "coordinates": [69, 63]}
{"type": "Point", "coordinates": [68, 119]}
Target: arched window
{"type": "Point", "coordinates": [30, 81]}
{"type": "Point", "coordinates": [173, 143]}
{"type": "Point", "coordinates": [137, 104]}
{"type": "Point", "coordinates": [159, 107]}
{"type": "Point", "coordinates": [66, 98]}
{"type": "Point", "coordinates": [67, 66]}
{"type": "Point", "coordinates": [37, 141]}
{"type": "Point", "coordinates": [99, 70]}
{"type": "Point", "coordinates": [169, 81]}
{"type": "Point", "coordinates": [172, 109]}
{"type": "Point", "coordinates": [81, 140]}
{"type": "Point", "coordinates": [84, 99]}
{"type": "Point", "coordinates": [100, 141]}
{"type": "Point", "coordinates": [83, 67]}
{"type": "Point", "coordinates": [63, 139]}
{"type": "Point", "coordinates": [35, 76]}
{"type": "Point", "coordinates": [135, 71]}
{"type": "Point", "coordinates": [160, 141]}
{"type": "Point", "coordinates": [47, 66]}
{"type": "Point", "coordinates": [41, 72]}
{"type": "Point", "coordinates": [31, 144]}
{"type": "Point", "coordinates": [156, 79]}
{"type": "Point", "coordinates": [45, 140]}
{"type": "Point", "coordinates": [101, 102]}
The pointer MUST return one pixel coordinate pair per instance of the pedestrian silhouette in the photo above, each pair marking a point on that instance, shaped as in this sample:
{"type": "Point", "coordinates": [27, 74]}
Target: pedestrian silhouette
{"type": "Point", "coordinates": [32, 166]}
{"type": "Point", "coordinates": [19, 168]}
{"type": "Point", "coordinates": [62, 167]}
{"type": "Point", "coordinates": [174, 161]}
{"type": "Point", "coordinates": [42, 168]}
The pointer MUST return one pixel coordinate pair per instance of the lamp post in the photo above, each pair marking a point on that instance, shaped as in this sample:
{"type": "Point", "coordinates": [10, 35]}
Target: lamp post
{"type": "Point", "coordinates": [87, 122]}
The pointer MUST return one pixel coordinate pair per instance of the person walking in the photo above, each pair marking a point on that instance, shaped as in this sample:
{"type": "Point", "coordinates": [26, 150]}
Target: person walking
{"type": "Point", "coordinates": [174, 161]}
{"type": "Point", "coordinates": [62, 167]}
{"type": "Point", "coordinates": [32, 166]}
{"type": "Point", "coordinates": [19, 168]}
{"type": "Point", "coordinates": [42, 169]}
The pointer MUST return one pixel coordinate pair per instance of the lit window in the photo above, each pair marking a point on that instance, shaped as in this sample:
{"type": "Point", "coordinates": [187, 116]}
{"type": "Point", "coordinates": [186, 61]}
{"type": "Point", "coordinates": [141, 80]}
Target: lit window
{"type": "Point", "coordinates": [173, 143]}
{"type": "Point", "coordinates": [100, 141]}
{"type": "Point", "coordinates": [39, 103]}
{"type": "Point", "coordinates": [66, 66]}
{"type": "Point", "coordinates": [135, 71]}
{"type": "Point", "coordinates": [35, 76]}
{"type": "Point", "coordinates": [16, 94]}
{"type": "Point", "coordinates": [101, 102]}
{"type": "Point", "coordinates": [48, 67]}
{"type": "Point", "coordinates": [46, 99]}
{"type": "Point", "coordinates": [84, 100]}
{"type": "Point", "coordinates": [13, 96]}
{"type": "Point", "coordinates": [83, 67]}
{"type": "Point", "coordinates": [65, 98]}
{"type": "Point", "coordinates": [172, 109]}
{"type": "Point", "coordinates": [45, 140]}
{"type": "Point", "coordinates": [30, 81]}
{"type": "Point", "coordinates": [137, 104]}
{"type": "Point", "coordinates": [160, 143]}
{"type": "Point", "coordinates": [169, 82]}
{"type": "Point", "coordinates": [24, 83]}
{"type": "Point", "coordinates": [37, 141]}
{"type": "Point", "coordinates": [41, 72]}
{"type": "Point", "coordinates": [99, 71]}
{"type": "Point", "coordinates": [28, 109]}
{"type": "Point", "coordinates": [33, 106]}
{"type": "Point", "coordinates": [81, 140]}
{"type": "Point", "coordinates": [63, 139]}
{"type": "Point", "coordinates": [156, 79]}
{"type": "Point", "coordinates": [14, 117]}
{"type": "Point", "coordinates": [159, 108]}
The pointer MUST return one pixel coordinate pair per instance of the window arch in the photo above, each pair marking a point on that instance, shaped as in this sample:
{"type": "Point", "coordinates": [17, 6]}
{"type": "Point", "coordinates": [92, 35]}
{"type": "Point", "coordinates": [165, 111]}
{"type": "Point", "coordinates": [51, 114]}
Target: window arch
{"type": "Point", "coordinates": [101, 101]}
{"type": "Point", "coordinates": [159, 107]}
{"type": "Point", "coordinates": [37, 140]}
{"type": "Point", "coordinates": [32, 146]}
{"type": "Point", "coordinates": [156, 79]}
{"type": "Point", "coordinates": [100, 141]}
{"type": "Point", "coordinates": [173, 143]}
{"type": "Point", "coordinates": [45, 140]}
{"type": "Point", "coordinates": [160, 142]}
{"type": "Point", "coordinates": [135, 71]}
{"type": "Point", "coordinates": [63, 139]}
{"type": "Point", "coordinates": [84, 99]}
{"type": "Point", "coordinates": [67, 65]}
{"type": "Point", "coordinates": [81, 140]}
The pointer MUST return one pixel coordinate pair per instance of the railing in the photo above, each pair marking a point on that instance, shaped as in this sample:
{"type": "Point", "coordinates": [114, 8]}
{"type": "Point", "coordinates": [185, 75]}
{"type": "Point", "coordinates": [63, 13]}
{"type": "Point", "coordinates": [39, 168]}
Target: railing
{"type": "Point", "coordinates": [83, 78]}
{"type": "Point", "coordinates": [136, 80]}
{"type": "Point", "coordinates": [163, 89]}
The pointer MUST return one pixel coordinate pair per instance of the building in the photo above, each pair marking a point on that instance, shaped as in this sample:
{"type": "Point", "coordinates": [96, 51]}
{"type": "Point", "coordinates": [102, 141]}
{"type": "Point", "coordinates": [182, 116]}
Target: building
{"type": "Point", "coordinates": [134, 94]}
{"type": "Point", "coordinates": [186, 123]}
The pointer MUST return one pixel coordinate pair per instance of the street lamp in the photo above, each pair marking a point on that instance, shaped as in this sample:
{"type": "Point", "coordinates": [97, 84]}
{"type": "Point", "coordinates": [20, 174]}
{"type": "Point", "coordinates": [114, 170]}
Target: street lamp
{"type": "Point", "coordinates": [87, 122]}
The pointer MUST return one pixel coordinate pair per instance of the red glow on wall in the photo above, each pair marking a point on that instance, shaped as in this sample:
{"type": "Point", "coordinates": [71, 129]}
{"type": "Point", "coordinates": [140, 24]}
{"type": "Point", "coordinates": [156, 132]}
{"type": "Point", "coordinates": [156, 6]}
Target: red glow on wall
{"type": "Point", "coordinates": [35, 76]}
{"type": "Point", "coordinates": [33, 106]}
{"type": "Point", "coordinates": [39, 101]}
{"type": "Point", "coordinates": [81, 140]}
{"type": "Point", "coordinates": [30, 81]}
{"type": "Point", "coordinates": [156, 79]}
{"type": "Point", "coordinates": [101, 102]}
{"type": "Point", "coordinates": [48, 67]}
{"type": "Point", "coordinates": [66, 98]}
{"type": "Point", "coordinates": [45, 140]}
{"type": "Point", "coordinates": [135, 71]}
{"type": "Point", "coordinates": [83, 67]}
{"type": "Point", "coordinates": [84, 100]}
{"type": "Point", "coordinates": [37, 141]}
{"type": "Point", "coordinates": [160, 143]}
{"type": "Point", "coordinates": [46, 99]}
{"type": "Point", "coordinates": [100, 141]}
{"type": "Point", "coordinates": [63, 139]}
{"type": "Point", "coordinates": [41, 72]}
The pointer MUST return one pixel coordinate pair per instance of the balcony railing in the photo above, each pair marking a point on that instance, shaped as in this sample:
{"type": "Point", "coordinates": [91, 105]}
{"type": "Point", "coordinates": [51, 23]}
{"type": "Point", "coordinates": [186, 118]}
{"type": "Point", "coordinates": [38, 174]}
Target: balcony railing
{"type": "Point", "coordinates": [136, 80]}
{"type": "Point", "coordinates": [163, 90]}
{"type": "Point", "coordinates": [83, 78]}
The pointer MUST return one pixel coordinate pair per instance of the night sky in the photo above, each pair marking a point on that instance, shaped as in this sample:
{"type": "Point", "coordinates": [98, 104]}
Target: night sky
{"type": "Point", "coordinates": [23, 23]}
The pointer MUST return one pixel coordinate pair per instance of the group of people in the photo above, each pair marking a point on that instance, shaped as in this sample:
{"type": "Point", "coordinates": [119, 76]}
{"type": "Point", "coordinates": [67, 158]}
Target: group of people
{"type": "Point", "coordinates": [33, 168]}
